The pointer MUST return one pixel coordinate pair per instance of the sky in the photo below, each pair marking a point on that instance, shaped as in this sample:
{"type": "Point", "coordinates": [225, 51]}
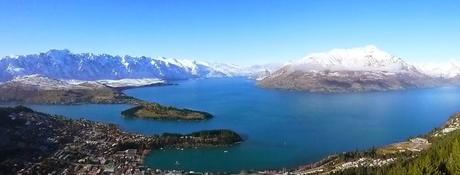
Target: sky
{"type": "Point", "coordinates": [232, 31]}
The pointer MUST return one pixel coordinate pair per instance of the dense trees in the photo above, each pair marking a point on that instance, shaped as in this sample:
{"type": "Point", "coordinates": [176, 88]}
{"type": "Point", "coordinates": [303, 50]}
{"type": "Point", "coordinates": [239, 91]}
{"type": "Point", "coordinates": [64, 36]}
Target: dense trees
{"type": "Point", "coordinates": [443, 158]}
{"type": "Point", "coordinates": [157, 111]}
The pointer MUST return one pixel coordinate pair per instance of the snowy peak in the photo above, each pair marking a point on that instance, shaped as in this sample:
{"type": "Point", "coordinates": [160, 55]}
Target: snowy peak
{"type": "Point", "coordinates": [58, 53]}
{"type": "Point", "coordinates": [63, 64]}
{"type": "Point", "coordinates": [450, 69]}
{"type": "Point", "coordinates": [367, 58]}
{"type": "Point", "coordinates": [348, 70]}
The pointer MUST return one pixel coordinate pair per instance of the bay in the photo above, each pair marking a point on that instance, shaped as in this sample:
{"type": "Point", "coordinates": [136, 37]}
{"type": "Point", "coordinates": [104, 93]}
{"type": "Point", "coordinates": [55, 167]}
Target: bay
{"type": "Point", "coordinates": [282, 129]}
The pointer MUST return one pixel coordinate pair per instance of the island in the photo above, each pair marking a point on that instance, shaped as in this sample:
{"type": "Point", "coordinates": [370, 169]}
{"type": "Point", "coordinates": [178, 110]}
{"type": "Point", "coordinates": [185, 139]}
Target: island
{"type": "Point", "coordinates": [157, 111]}
{"type": "Point", "coordinates": [58, 145]}
{"type": "Point", "coordinates": [61, 145]}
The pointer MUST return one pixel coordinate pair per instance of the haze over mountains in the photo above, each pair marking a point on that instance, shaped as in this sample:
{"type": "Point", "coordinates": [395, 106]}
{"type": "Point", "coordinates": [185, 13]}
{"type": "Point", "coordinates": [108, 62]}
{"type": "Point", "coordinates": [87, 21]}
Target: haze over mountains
{"type": "Point", "coordinates": [339, 70]}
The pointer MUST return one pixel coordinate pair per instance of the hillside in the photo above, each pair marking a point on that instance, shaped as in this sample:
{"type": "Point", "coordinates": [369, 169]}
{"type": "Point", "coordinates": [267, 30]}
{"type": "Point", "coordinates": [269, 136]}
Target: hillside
{"type": "Point", "coordinates": [56, 145]}
{"type": "Point", "coordinates": [37, 89]}
{"type": "Point", "coordinates": [348, 70]}
{"type": "Point", "coordinates": [436, 152]}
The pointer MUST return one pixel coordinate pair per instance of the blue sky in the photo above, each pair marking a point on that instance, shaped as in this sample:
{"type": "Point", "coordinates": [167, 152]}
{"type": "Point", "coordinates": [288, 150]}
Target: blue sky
{"type": "Point", "coordinates": [234, 31]}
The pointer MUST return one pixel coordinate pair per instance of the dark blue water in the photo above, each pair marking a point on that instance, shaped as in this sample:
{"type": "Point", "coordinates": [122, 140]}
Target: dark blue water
{"type": "Point", "coordinates": [282, 128]}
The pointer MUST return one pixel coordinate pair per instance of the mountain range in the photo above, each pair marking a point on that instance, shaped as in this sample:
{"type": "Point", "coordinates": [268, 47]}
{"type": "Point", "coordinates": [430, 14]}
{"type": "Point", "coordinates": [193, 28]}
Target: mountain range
{"type": "Point", "coordinates": [450, 69]}
{"type": "Point", "coordinates": [339, 70]}
{"type": "Point", "coordinates": [62, 64]}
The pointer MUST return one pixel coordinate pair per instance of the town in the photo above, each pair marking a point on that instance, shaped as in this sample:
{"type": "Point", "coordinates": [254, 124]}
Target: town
{"type": "Point", "coordinates": [40, 143]}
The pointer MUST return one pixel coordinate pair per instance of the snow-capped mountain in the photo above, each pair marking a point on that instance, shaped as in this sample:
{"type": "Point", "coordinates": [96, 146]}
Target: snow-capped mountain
{"type": "Point", "coordinates": [447, 70]}
{"type": "Point", "coordinates": [348, 70]}
{"type": "Point", "coordinates": [259, 72]}
{"type": "Point", "coordinates": [368, 58]}
{"type": "Point", "coordinates": [62, 64]}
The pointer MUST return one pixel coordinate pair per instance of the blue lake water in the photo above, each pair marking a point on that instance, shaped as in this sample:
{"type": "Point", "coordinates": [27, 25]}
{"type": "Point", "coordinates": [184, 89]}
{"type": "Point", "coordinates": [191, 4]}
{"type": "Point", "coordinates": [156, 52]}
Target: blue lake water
{"type": "Point", "coordinates": [283, 129]}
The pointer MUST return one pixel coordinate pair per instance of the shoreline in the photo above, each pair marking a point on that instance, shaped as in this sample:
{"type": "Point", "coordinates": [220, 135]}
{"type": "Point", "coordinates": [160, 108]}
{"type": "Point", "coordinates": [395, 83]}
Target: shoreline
{"type": "Point", "coordinates": [311, 167]}
{"type": "Point", "coordinates": [376, 157]}
{"type": "Point", "coordinates": [80, 93]}
{"type": "Point", "coordinates": [123, 88]}
{"type": "Point", "coordinates": [84, 146]}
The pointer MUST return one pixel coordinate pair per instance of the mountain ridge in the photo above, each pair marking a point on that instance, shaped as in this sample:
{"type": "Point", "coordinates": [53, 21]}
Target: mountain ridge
{"type": "Point", "coordinates": [63, 64]}
{"type": "Point", "coordinates": [348, 70]}
{"type": "Point", "coordinates": [369, 60]}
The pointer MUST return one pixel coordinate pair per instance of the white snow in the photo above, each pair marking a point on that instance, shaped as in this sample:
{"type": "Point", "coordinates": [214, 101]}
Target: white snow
{"type": "Point", "coordinates": [127, 82]}
{"type": "Point", "coordinates": [367, 58]}
{"type": "Point", "coordinates": [124, 62]}
{"type": "Point", "coordinates": [13, 69]}
{"type": "Point", "coordinates": [448, 69]}
{"type": "Point", "coordinates": [45, 83]}
{"type": "Point", "coordinates": [131, 82]}
{"type": "Point", "coordinates": [62, 64]}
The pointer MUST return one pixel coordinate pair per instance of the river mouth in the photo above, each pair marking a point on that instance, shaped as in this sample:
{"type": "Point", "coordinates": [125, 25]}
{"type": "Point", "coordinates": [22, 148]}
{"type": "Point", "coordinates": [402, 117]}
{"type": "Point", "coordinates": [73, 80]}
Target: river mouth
{"type": "Point", "coordinates": [282, 129]}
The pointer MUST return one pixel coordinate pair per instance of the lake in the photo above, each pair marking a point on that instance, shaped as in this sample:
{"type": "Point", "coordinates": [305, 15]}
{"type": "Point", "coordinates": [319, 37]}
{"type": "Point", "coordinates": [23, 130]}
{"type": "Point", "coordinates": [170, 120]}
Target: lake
{"type": "Point", "coordinates": [282, 129]}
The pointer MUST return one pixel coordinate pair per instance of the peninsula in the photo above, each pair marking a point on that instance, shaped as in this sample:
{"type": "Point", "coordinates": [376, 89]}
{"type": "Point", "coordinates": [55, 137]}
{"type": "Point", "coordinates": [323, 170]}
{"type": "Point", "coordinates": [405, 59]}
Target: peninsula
{"type": "Point", "coordinates": [38, 89]}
